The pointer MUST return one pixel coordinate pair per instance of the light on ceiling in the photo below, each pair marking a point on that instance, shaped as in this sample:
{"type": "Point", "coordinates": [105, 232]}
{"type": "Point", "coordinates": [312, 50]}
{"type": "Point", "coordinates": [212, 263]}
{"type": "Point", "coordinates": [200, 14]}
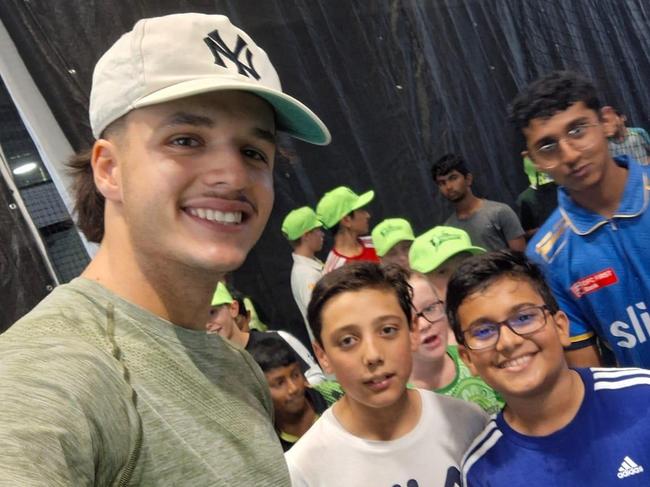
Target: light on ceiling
{"type": "Point", "coordinates": [25, 168]}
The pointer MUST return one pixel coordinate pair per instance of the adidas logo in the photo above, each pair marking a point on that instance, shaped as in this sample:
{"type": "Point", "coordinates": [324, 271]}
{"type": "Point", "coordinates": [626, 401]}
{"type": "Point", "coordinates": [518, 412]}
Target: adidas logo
{"type": "Point", "coordinates": [628, 467]}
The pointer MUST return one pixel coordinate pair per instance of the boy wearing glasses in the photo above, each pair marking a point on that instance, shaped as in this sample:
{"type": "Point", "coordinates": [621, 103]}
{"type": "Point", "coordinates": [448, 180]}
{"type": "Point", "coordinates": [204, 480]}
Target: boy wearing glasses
{"type": "Point", "coordinates": [379, 433]}
{"type": "Point", "coordinates": [560, 426]}
{"type": "Point", "coordinates": [593, 247]}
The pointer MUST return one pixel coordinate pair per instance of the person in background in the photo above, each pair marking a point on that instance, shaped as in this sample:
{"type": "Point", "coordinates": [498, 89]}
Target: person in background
{"type": "Point", "coordinates": [343, 213]}
{"type": "Point", "coordinates": [297, 406]}
{"type": "Point", "coordinates": [223, 321]}
{"type": "Point", "coordinates": [392, 239]}
{"type": "Point", "coordinates": [490, 224]}
{"type": "Point", "coordinates": [538, 201]}
{"type": "Point", "coordinates": [437, 253]}
{"type": "Point", "coordinates": [302, 228]}
{"type": "Point", "coordinates": [436, 365]}
{"type": "Point", "coordinates": [112, 380]}
{"type": "Point", "coordinates": [379, 432]}
{"type": "Point", "coordinates": [560, 426]}
{"type": "Point", "coordinates": [593, 248]}
{"type": "Point", "coordinates": [622, 140]}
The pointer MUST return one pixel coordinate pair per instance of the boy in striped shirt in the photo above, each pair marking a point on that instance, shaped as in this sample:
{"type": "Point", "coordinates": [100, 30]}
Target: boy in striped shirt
{"type": "Point", "coordinates": [560, 426]}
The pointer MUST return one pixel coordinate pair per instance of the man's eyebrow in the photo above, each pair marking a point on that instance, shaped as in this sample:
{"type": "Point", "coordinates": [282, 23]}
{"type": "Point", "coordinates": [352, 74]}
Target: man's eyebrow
{"type": "Point", "coordinates": [265, 135]}
{"type": "Point", "coordinates": [186, 118]}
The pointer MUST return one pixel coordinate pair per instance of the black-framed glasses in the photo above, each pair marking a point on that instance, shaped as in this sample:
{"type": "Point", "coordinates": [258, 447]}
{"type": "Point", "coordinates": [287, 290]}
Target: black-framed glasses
{"type": "Point", "coordinates": [581, 137]}
{"type": "Point", "coordinates": [485, 334]}
{"type": "Point", "coordinates": [432, 313]}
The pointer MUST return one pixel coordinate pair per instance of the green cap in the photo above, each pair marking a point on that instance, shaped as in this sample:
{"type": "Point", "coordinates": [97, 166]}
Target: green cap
{"type": "Point", "coordinates": [389, 233]}
{"type": "Point", "coordinates": [221, 295]}
{"type": "Point", "coordinates": [535, 177]}
{"type": "Point", "coordinates": [299, 221]}
{"type": "Point", "coordinates": [431, 249]}
{"type": "Point", "coordinates": [341, 201]}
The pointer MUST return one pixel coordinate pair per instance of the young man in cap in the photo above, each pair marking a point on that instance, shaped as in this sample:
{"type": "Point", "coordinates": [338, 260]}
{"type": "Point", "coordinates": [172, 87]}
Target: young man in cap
{"type": "Point", "coordinates": [538, 201]}
{"type": "Point", "coordinates": [392, 239]}
{"type": "Point", "coordinates": [342, 212]}
{"type": "Point", "coordinates": [302, 228]}
{"type": "Point", "coordinates": [112, 379]}
{"type": "Point", "coordinates": [560, 426]}
{"type": "Point", "coordinates": [223, 321]}
{"type": "Point", "coordinates": [593, 248]}
{"type": "Point", "coordinates": [490, 224]}
{"type": "Point", "coordinates": [622, 140]}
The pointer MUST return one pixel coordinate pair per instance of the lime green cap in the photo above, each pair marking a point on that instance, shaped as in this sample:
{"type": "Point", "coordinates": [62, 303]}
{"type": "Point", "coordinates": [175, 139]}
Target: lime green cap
{"type": "Point", "coordinates": [434, 247]}
{"type": "Point", "coordinates": [535, 177]}
{"type": "Point", "coordinates": [221, 295]}
{"type": "Point", "coordinates": [299, 221]}
{"type": "Point", "coordinates": [341, 201]}
{"type": "Point", "coordinates": [389, 233]}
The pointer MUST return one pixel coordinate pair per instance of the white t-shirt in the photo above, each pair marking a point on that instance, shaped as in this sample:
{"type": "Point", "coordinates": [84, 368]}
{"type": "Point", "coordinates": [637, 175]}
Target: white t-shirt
{"type": "Point", "coordinates": [305, 273]}
{"type": "Point", "coordinates": [427, 456]}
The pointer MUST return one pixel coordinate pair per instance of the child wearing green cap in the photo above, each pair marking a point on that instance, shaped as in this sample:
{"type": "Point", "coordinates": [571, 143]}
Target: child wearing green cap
{"type": "Point", "coordinates": [392, 239]}
{"type": "Point", "coordinates": [433, 257]}
{"type": "Point", "coordinates": [302, 228]}
{"type": "Point", "coordinates": [342, 212]}
{"type": "Point", "coordinates": [222, 322]}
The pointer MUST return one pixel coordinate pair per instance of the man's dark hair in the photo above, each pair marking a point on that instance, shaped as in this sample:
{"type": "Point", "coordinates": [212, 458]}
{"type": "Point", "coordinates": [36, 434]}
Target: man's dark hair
{"type": "Point", "coordinates": [89, 203]}
{"type": "Point", "coordinates": [480, 271]}
{"type": "Point", "coordinates": [272, 352]}
{"type": "Point", "coordinates": [355, 277]}
{"type": "Point", "coordinates": [550, 94]}
{"type": "Point", "coordinates": [447, 164]}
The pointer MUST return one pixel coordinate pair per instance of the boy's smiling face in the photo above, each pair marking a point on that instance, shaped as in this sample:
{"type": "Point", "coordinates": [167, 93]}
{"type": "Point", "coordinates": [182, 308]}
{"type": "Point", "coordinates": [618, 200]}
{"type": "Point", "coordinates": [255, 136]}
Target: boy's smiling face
{"type": "Point", "coordinates": [516, 366]}
{"type": "Point", "coordinates": [367, 344]}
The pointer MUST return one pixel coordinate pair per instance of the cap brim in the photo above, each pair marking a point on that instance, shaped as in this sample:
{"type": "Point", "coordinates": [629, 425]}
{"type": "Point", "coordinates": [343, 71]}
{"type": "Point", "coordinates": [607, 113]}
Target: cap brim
{"type": "Point", "coordinates": [293, 117]}
{"type": "Point", "coordinates": [363, 200]}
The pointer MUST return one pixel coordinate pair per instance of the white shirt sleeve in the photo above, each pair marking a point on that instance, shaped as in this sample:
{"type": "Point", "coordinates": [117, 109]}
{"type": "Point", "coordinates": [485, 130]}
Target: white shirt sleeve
{"type": "Point", "coordinates": [314, 374]}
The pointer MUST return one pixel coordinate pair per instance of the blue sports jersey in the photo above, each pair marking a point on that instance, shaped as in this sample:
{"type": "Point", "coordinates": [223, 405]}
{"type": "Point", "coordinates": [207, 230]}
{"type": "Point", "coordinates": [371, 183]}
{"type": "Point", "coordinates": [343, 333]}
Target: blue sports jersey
{"type": "Point", "coordinates": [599, 269]}
{"type": "Point", "coordinates": [605, 444]}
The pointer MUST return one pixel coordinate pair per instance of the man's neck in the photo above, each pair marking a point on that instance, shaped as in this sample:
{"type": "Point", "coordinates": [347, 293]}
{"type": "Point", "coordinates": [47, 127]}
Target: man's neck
{"type": "Point", "coordinates": [347, 243]}
{"type": "Point", "coordinates": [381, 424]}
{"type": "Point", "coordinates": [433, 374]}
{"type": "Point", "coordinates": [620, 135]}
{"type": "Point", "coordinates": [544, 414]}
{"type": "Point", "coordinates": [604, 197]}
{"type": "Point", "coordinates": [166, 289]}
{"type": "Point", "coordinates": [296, 424]}
{"type": "Point", "coordinates": [468, 205]}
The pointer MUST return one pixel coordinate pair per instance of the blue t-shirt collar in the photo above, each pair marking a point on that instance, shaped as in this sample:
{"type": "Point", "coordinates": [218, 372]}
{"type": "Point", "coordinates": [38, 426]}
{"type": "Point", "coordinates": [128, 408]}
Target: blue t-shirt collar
{"type": "Point", "coordinates": [633, 202]}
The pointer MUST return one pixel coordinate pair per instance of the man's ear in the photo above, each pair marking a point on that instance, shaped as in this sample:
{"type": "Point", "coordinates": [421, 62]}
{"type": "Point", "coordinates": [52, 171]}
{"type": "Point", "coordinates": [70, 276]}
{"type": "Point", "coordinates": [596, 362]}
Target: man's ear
{"type": "Point", "coordinates": [607, 110]}
{"type": "Point", "coordinates": [322, 358]}
{"type": "Point", "coordinates": [414, 335]}
{"type": "Point", "coordinates": [234, 308]}
{"type": "Point", "coordinates": [345, 221]}
{"type": "Point", "coordinates": [106, 171]}
{"type": "Point", "coordinates": [469, 178]}
{"type": "Point", "coordinates": [466, 357]}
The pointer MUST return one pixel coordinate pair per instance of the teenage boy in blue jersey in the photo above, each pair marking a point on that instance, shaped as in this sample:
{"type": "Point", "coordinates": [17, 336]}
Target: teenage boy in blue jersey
{"type": "Point", "coordinates": [560, 426]}
{"type": "Point", "coordinates": [593, 247]}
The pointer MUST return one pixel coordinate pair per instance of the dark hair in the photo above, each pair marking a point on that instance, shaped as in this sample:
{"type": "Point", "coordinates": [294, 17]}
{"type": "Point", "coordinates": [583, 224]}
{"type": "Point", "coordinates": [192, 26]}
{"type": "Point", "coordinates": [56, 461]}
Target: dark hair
{"type": "Point", "coordinates": [355, 277]}
{"type": "Point", "coordinates": [447, 164]}
{"type": "Point", "coordinates": [480, 271]}
{"type": "Point", "coordinates": [89, 203]}
{"type": "Point", "coordinates": [550, 94]}
{"type": "Point", "coordinates": [272, 352]}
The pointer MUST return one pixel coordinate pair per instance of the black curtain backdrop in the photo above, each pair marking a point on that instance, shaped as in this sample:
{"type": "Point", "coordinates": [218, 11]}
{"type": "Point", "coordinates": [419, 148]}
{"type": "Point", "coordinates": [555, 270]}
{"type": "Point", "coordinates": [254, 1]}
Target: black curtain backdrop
{"type": "Point", "coordinates": [399, 83]}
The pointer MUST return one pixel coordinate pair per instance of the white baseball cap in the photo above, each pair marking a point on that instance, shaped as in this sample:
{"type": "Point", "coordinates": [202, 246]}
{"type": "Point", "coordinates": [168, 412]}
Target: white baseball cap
{"type": "Point", "coordinates": [181, 55]}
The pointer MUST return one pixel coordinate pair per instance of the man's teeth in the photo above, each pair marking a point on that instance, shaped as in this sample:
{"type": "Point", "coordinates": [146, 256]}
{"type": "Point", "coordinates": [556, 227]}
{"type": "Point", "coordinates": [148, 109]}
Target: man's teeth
{"type": "Point", "coordinates": [216, 215]}
{"type": "Point", "coordinates": [517, 362]}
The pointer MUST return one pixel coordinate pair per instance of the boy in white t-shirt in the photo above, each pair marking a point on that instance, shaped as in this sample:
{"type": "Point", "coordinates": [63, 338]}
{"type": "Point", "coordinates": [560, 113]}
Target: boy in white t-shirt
{"type": "Point", "coordinates": [379, 433]}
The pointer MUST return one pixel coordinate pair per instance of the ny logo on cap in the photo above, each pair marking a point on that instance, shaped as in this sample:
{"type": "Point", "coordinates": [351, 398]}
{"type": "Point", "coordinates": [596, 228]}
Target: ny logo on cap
{"type": "Point", "coordinates": [438, 240]}
{"type": "Point", "coordinates": [219, 48]}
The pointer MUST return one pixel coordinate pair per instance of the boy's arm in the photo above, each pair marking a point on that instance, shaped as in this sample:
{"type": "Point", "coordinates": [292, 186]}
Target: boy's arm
{"type": "Point", "coordinates": [64, 420]}
{"type": "Point", "coordinates": [512, 229]}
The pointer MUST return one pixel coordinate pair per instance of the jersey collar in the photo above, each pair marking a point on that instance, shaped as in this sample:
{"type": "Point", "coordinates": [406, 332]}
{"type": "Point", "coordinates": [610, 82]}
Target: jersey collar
{"type": "Point", "coordinates": [634, 201]}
